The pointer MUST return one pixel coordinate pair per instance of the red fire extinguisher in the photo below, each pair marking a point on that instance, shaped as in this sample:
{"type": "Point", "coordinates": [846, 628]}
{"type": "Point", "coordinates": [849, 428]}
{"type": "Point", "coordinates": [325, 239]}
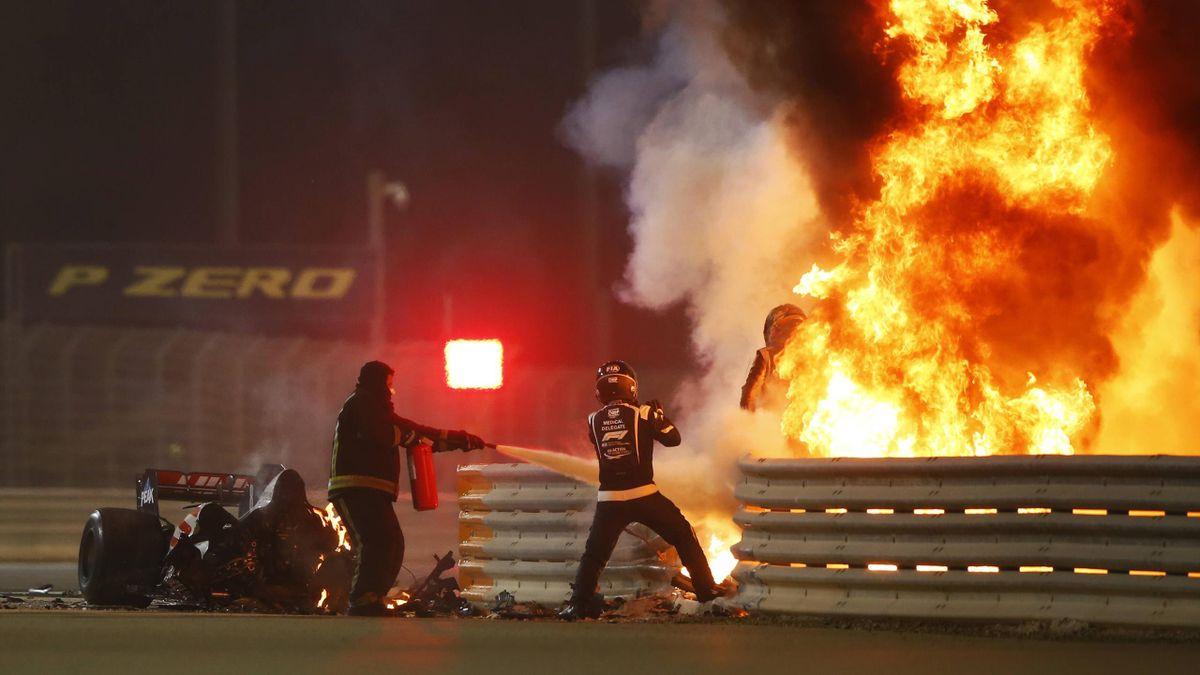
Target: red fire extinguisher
{"type": "Point", "coordinates": [421, 479]}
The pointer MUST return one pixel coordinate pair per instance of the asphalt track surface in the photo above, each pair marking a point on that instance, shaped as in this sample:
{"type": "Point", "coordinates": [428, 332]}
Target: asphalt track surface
{"type": "Point", "coordinates": [48, 641]}
{"type": "Point", "coordinates": [17, 577]}
{"type": "Point", "coordinates": [114, 641]}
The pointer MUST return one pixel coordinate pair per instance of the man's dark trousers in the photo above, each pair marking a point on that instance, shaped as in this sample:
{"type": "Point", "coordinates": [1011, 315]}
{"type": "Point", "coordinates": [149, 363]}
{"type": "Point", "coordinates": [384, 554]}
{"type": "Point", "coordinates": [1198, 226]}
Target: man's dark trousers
{"type": "Point", "coordinates": [376, 542]}
{"type": "Point", "coordinates": [655, 512]}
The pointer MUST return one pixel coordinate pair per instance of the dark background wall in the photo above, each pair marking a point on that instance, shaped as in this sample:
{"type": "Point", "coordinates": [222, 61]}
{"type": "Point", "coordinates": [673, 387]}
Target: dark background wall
{"type": "Point", "coordinates": [110, 135]}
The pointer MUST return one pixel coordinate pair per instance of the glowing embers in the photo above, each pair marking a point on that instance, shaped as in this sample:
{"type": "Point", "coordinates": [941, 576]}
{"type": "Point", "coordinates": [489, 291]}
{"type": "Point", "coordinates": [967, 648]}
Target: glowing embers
{"type": "Point", "coordinates": [474, 364]}
{"type": "Point", "coordinates": [398, 601]}
{"type": "Point", "coordinates": [882, 567]}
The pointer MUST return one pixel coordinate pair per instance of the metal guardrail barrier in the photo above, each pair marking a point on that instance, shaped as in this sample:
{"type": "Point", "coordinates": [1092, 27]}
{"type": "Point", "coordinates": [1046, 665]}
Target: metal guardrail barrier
{"type": "Point", "coordinates": [522, 529]}
{"type": "Point", "coordinates": [1093, 538]}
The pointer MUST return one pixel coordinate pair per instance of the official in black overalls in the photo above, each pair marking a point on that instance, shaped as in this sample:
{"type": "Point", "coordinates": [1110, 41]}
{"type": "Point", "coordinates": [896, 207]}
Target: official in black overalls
{"type": "Point", "coordinates": [623, 433]}
{"type": "Point", "coordinates": [365, 480]}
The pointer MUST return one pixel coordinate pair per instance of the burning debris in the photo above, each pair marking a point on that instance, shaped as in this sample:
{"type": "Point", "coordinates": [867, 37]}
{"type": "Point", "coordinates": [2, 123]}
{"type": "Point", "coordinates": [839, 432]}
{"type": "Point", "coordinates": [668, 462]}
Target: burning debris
{"type": "Point", "coordinates": [433, 595]}
{"type": "Point", "coordinates": [280, 554]}
{"type": "Point", "coordinates": [648, 607]}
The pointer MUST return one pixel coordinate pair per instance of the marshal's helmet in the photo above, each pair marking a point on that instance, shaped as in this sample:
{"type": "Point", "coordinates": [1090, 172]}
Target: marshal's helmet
{"type": "Point", "coordinates": [616, 381]}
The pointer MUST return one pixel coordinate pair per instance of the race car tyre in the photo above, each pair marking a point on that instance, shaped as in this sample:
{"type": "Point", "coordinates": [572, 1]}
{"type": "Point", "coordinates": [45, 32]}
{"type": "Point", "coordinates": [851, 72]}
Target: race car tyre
{"type": "Point", "coordinates": [120, 556]}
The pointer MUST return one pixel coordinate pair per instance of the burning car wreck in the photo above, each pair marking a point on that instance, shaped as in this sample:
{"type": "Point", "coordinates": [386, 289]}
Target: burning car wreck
{"type": "Point", "coordinates": [279, 553]}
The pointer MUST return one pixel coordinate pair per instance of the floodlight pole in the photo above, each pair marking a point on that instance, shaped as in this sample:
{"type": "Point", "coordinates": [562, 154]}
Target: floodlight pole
{"type": "Point", "coordinates": [379, 192]}
{"type": "Point", "coordinates": [375, 196]}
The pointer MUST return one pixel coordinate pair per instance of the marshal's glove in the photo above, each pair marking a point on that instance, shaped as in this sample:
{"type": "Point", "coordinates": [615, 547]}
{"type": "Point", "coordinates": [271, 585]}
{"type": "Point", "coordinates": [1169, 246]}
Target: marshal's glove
{"type": "Point", "coordinates": [656, 410]}
{"type": "Point", "coordinates": [461, 440]}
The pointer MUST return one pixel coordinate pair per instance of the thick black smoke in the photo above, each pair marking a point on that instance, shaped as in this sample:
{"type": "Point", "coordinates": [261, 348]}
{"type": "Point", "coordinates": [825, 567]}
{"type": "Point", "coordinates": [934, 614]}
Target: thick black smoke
{"type": "Point", "coordinates": [1144, 83]}
{"type": "Point", "coordinates": [824, 60]}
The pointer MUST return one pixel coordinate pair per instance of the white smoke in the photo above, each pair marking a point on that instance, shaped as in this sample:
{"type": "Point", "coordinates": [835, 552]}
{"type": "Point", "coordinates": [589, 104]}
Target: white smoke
{"type": "Point", "coordinates": [722, 212]}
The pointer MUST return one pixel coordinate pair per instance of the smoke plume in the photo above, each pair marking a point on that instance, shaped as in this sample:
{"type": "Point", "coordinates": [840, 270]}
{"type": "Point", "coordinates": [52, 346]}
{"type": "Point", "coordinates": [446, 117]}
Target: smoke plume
{"type": "Point", "coordinates": [721, 212]}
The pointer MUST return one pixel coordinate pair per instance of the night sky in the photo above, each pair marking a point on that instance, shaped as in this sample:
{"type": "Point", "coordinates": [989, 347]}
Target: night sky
{"type": "Point", "coordinates": [110, 136]}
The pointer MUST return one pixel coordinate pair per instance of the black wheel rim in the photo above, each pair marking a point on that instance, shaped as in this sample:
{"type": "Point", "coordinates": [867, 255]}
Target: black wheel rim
{"type": "Point", "coordinates": [87, 555]}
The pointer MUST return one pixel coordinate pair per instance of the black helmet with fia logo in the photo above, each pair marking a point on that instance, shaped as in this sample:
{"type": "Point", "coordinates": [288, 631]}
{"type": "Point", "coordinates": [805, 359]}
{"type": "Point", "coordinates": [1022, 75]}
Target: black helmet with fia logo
{"type": "Point", "coordinates": [616, 381]}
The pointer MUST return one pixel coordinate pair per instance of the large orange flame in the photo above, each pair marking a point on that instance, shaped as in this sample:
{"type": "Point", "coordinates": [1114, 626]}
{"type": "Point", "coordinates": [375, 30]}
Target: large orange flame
{"type": "Point", "coordinates": [997, 139]}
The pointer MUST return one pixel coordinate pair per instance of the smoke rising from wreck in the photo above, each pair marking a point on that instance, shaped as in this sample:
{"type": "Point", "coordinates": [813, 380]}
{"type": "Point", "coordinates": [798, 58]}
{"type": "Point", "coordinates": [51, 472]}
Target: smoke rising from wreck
{"type": "Point", "coordinates": [756, 130]}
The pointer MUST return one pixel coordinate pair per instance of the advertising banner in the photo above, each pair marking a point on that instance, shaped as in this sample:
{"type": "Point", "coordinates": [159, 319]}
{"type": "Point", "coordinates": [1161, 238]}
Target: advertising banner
{"type": "Point", "coordinates": [320, 291]}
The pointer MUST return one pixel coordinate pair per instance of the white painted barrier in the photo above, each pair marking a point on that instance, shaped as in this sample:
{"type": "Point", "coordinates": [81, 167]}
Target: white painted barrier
{"type": "Point", "coordinates": [522, 529]}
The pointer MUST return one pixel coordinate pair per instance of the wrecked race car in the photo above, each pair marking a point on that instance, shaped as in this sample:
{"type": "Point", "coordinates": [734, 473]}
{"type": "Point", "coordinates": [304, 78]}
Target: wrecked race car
{"type": "Point", "coordinates": [279, 553]}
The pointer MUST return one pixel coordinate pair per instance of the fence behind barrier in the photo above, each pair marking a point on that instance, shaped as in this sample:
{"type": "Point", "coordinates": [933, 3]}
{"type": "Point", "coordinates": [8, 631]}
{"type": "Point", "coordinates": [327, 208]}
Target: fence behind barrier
{"type": "Point", "coordinates": [522, 529]}
{"type": "Point", "coordinates": [93, 405]}
{"type": "Point", "coordinates": [1094, 538]}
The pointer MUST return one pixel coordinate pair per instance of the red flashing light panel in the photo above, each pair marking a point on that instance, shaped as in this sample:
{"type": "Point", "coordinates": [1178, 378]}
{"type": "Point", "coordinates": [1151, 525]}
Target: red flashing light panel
{"type": "Point", "coordinates": [474, 364]}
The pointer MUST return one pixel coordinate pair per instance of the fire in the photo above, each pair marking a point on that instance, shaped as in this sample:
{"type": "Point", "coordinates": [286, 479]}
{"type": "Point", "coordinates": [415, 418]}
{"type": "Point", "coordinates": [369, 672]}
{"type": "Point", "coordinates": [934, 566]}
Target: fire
{"type": "Point", "coordinates": [332, 519]}
{"type": "Point", "coordinates": [901, 355]}
{"type": "Point", "coordinates": [399, 600]}
{"type": "Point", "coordinates": [323, 598]}
{"type": "Point", "coordinates": [722, 534]}
{"type": "Point", "coordinates": [720, 558]}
